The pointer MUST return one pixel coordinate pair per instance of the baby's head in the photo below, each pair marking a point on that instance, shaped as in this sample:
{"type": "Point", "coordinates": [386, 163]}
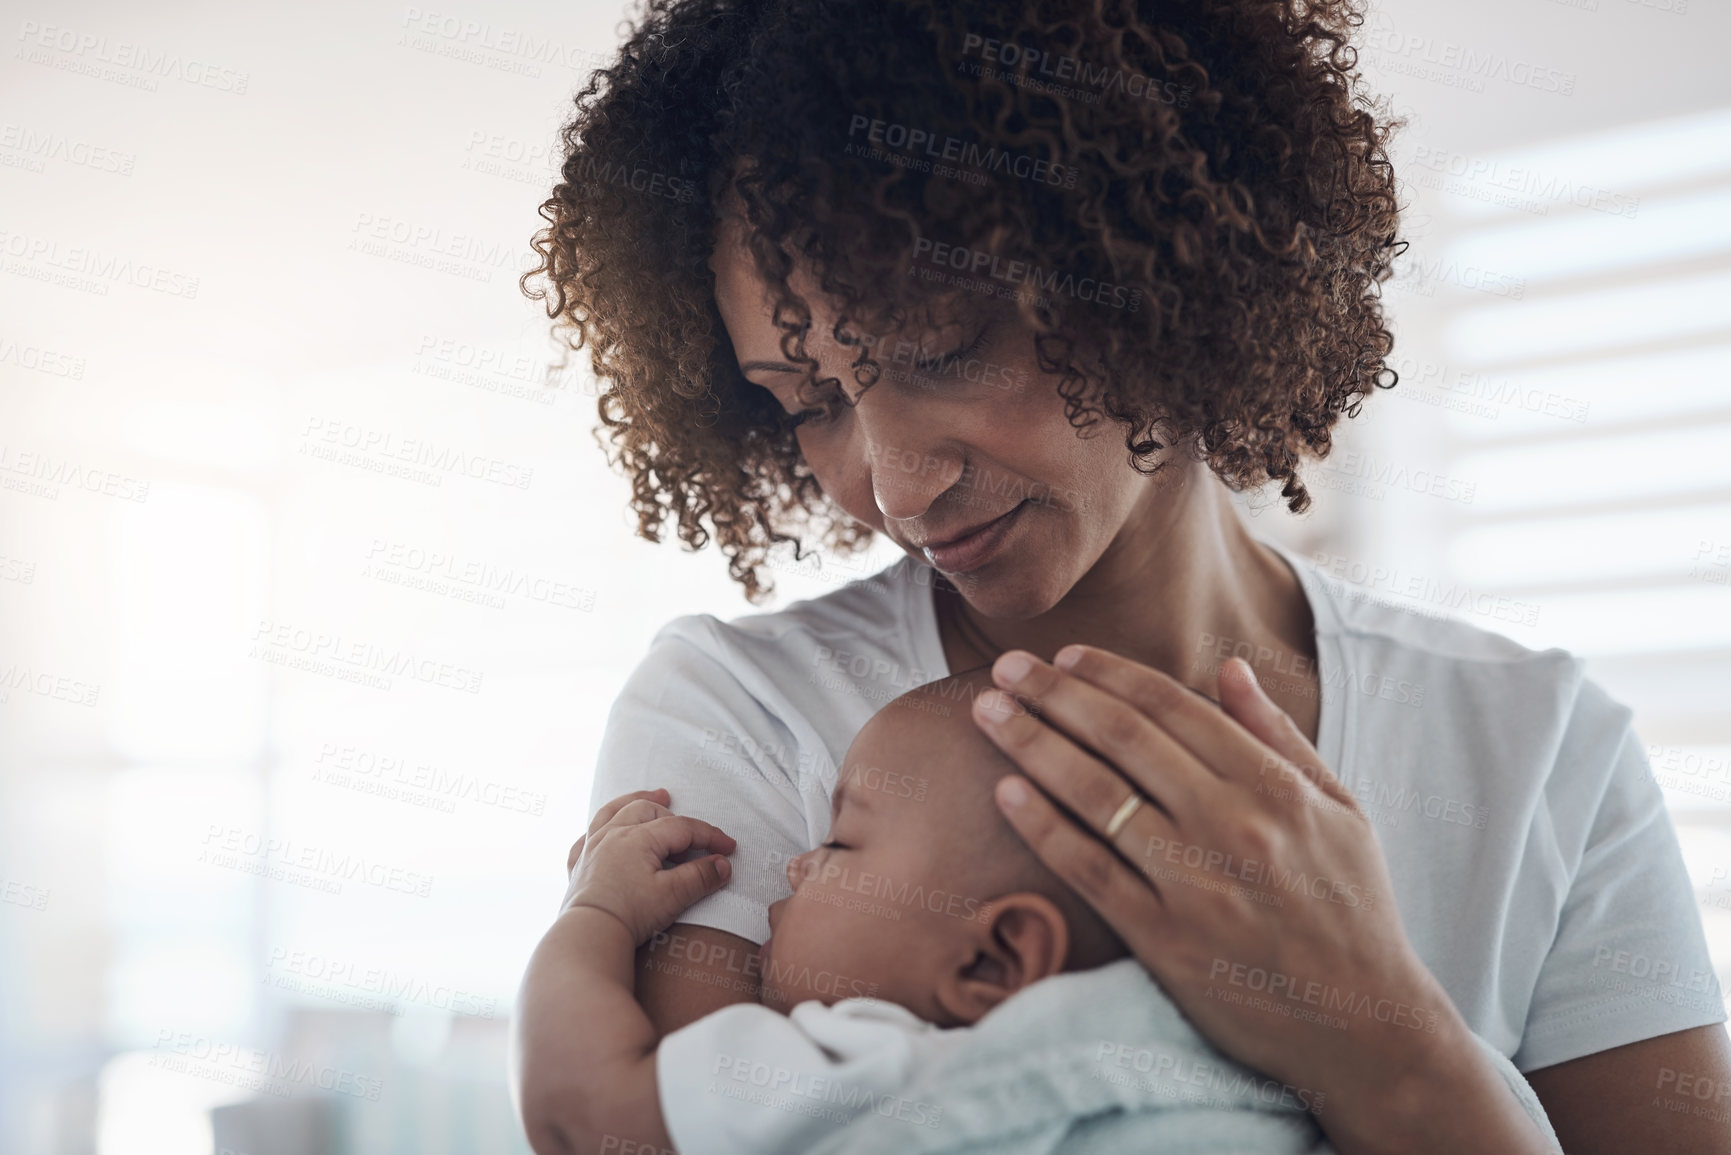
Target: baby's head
{"type": "Point", "coordinates": [923, 894]}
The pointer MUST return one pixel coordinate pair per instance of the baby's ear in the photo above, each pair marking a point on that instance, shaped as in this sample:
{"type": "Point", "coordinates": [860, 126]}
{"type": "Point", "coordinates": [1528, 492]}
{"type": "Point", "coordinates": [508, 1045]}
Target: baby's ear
{"type": "Point", "coordinates": [1018, 939]}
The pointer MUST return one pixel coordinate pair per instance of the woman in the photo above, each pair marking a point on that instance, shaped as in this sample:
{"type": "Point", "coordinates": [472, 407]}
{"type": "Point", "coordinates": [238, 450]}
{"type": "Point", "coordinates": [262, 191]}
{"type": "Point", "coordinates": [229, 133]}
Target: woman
{"type": "Point", "coordinates": [1028, 288]}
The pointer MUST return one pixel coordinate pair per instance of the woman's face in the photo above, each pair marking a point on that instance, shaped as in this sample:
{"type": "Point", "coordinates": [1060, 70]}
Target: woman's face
{"type": "Point", "coordinates": [962, 436]}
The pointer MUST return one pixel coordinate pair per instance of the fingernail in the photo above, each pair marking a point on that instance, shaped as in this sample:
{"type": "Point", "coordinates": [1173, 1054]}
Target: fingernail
{"type": "Point", "coordinates": [1248, 674]}
{"type": "Point", "coordinates": [993, 706]}
{"type": "Point", "coordinates": [1012, 792]}
{"type": "Point", "coordinates": [1013, 666]}
{"type": "Point", "coordinates": [1067, 657]}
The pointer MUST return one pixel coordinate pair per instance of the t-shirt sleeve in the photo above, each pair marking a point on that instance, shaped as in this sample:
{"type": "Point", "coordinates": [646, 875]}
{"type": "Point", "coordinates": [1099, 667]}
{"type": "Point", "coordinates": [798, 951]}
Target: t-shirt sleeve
{"type": "Point", "coordinates": [746, 1080]}
{"type": "Point", "coordinates": [686, 722]}
{"type": "Point", "coordinates": [1629, 960]}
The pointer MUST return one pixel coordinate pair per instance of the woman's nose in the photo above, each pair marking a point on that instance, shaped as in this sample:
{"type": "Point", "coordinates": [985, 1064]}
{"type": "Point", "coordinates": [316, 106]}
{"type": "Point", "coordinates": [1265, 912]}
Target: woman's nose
{"type": "Point", "coordinates": [906, 478]}
{"type": "Point", "coordinates": [907, 456]}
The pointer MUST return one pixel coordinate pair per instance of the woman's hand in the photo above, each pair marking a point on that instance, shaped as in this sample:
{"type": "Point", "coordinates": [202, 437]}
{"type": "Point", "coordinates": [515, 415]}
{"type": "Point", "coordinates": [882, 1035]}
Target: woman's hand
{"type": "Point", "coordinates": [1247, 881]}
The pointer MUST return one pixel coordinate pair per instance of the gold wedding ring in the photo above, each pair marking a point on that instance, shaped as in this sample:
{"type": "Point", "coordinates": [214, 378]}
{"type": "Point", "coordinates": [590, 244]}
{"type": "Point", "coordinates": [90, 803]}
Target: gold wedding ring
{"type": "Point", "coordinates": [1130, 806]}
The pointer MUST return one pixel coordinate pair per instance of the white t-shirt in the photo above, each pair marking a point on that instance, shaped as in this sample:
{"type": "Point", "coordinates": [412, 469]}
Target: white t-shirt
{"type": "Point", "coordinates": [1535, 869]}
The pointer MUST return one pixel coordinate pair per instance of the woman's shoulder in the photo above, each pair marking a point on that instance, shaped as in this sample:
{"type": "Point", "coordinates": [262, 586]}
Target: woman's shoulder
{"type": "Point", "coordinates": [857, 641]}
{"type": "Point", "coordinates": [1444, 648]}
{"type": "Point", "coordinates": [864, 607]}
{"type": "Point", "coordinates": [780, 692]}
{"type": "Point", "coordinates": [1414, 619]}
{"type": "Point", "coordinates": [875, 606]}
{"type": "Point", "coordinates": [1451, 620]}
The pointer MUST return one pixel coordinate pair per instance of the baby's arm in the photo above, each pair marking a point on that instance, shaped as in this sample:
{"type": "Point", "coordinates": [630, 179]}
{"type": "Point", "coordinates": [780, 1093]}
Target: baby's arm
{"type": "Point", "coordinates": [584, 1052]}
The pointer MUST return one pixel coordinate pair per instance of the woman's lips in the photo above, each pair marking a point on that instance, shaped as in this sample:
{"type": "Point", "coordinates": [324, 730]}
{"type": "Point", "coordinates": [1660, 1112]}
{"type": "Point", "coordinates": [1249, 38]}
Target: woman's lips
{"type": "Point", "coordinates": [977, 548]}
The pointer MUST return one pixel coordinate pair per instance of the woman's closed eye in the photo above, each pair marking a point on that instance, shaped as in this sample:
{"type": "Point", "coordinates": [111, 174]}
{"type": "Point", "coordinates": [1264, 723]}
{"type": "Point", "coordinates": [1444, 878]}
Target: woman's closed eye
{"type": "Point", "coordinates": [933, 364]}
{"type": "Point", "coordinates": [943, 363]}
{"type": "Point", "coordinates": [814, 416]}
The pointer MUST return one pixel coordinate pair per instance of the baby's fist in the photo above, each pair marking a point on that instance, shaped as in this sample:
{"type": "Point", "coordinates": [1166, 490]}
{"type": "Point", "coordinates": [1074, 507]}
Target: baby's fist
{"type": "Point", "coordinates": [621, 871]}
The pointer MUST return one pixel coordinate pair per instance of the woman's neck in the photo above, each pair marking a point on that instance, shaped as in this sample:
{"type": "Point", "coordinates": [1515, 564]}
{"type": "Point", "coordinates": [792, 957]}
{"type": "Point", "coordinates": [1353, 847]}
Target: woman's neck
{"type": "Point", "coordinates": [1183, 584]}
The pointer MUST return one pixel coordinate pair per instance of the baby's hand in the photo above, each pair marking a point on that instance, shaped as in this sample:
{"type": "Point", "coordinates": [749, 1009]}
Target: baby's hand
{"type": "Point", "coordinates": [619, 863]}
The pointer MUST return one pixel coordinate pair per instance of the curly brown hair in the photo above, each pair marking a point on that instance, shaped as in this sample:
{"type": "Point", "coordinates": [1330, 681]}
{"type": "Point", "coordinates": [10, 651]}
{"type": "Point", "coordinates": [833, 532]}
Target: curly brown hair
{"type": "Point", "coordinates": [1218, 156]}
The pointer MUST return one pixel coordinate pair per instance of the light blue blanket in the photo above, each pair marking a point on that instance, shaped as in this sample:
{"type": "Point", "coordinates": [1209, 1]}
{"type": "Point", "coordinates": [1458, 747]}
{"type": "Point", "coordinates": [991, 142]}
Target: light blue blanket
{"type": "Point", "coordinates": [1101, 1062]}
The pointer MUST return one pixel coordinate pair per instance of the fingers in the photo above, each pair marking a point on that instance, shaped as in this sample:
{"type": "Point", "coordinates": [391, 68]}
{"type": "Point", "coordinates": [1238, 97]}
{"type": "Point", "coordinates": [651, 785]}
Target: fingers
{"type": "Point", "coordinates": [605, 815]}
{"type": "Point", "coordinates": [690, 881]}
{"type": "Point", "coordinates": [634, 808]}
{"type": "Point", "coordinates": [1124, 898]}
{"type": "Point", "coordinates": [1084, 783]}
{"type": "Point", "coordinates": [674, 834]}
{"type": "Point", "coordinates": [1212, 738]}
{"type": "Point", "coordinates": [637, 811]}
{"type": "Point", "coordinates": [1241, 695]}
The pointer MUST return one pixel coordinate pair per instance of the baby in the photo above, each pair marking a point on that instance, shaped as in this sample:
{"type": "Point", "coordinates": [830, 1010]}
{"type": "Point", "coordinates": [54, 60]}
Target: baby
{"type": "Point", "coordinates": [1004, 1014]}
{"type": "Point", "coordinates": [922, 890]}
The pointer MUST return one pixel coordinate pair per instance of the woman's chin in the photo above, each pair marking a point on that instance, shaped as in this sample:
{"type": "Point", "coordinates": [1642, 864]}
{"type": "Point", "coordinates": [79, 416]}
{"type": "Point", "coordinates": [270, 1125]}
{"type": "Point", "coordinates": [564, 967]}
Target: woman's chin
{"type": "Point", "coordinates": [1014, 594]}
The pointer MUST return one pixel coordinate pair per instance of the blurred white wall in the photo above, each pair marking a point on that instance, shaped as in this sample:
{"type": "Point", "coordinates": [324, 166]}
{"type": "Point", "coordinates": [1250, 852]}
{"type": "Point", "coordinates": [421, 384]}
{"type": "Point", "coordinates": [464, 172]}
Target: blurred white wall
{"type": "Point", "coordinates": [247, 253]}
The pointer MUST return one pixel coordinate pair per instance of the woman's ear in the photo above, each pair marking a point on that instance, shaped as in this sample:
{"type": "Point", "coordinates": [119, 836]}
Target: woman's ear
{"type": "Point", "coordinates": [1017, 940]}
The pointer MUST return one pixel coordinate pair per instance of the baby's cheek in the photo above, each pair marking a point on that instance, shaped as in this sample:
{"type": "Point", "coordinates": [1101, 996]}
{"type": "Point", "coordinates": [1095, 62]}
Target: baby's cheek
{"type": "Point", "coordinates": [786, 977]}
{"type": "Point", "coordinates": [821, 934]}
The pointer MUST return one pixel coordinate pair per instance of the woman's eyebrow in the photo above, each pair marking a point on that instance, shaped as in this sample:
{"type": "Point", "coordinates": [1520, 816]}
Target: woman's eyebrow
{"type": "Point", "coordinates": [772, 366]}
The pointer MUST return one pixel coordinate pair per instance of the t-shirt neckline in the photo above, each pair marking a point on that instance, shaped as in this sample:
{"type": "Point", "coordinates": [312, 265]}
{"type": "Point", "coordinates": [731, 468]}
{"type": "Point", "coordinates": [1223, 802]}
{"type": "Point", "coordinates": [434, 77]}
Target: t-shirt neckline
{"type": "Point", "coordinates": [925, 641]}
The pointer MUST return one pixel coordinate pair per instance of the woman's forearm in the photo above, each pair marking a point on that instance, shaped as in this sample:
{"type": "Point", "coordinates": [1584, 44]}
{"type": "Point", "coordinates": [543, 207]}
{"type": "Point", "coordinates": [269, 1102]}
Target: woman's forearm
{"type": "Point", "coordinates": [1441, 1095]}
{"type": "Point", "coordinates": [585, 1050]}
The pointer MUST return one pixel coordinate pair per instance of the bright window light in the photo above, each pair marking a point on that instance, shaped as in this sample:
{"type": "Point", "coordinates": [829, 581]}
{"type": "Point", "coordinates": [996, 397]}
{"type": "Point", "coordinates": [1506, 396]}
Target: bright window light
{"type": "Point", "coordinates": [1576, 323]}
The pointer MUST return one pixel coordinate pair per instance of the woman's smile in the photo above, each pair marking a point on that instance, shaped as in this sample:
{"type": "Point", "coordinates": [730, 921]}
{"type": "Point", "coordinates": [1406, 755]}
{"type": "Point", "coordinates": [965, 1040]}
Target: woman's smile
{"type": "Point", "coordinates": [977, 546]}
